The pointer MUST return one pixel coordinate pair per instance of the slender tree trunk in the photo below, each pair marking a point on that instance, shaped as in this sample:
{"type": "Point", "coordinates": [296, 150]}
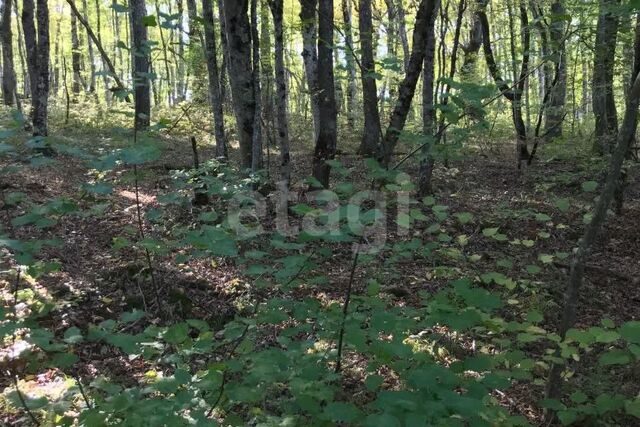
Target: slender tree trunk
{"type": "Point", "coordinates": [556, 108]}
{"type": "Point", "coordinates": [266, 68]}
{"type": "Point", "coordinates": [425, 19]}
{"type": "Point", "coordinates": [469, 67]}
{"type": "Point", "coordinates": [214, 80]}
{"type": "Point", "coordinates": [8, 70]}
{"type": "Point", "coordinates": [75, 57]}
{"type": "Point", "coordinates": [238, 32]}
{"type": "Point", "coordinates": [26, 79]}
{"type": "Point", "coordinates": [105, 80]}
{"type": "Point", "coordinates": [180, 60]}
{"type": "Point", "coordinates": [372, 129]}
{"type": "Point", "coordinates": [514, 95]}
{"type": "Point", "coordinates": [428, 110]}
{"type": "Point", "coordinates": [402, 32]}
{"type": "Point", "coordinates": [351, 69]}
{"type": "Point", "coordinates": [428, 162]}
{"type": "Point", "coordinates": [325, 147]}
{"type": "Point", "coordinates": [256, 146]}
{"type": "Point", "coordinates": [310, 58]}
{"type": "Point", "coordinates": [140, 59]}
{"type": "Point", "coordinates": [277, 10]}
{"type": "Point", "coordinates": [592, 230]}
{"type": "Point", "coordinates": [224, 67]}
{"type": "Point", "coordinates": [37, 45]}
{"type": "Point", "coordinates": [55, 78]}
{"type": "Point", "coordinates": [120, 86]}
{"type": "Point", "coordinates": [604, 106]}
{"type": "Point", "coordinates": [92, 64]}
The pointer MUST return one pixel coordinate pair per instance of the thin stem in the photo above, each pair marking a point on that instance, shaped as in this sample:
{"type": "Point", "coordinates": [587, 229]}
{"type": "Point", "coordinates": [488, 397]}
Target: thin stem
{"type": "Point", "coordinates": [345, 310]}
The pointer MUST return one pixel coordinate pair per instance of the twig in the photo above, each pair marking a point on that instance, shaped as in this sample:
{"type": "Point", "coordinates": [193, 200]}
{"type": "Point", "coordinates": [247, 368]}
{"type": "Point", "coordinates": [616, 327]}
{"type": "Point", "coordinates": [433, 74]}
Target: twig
{"type": "Point", "coordinates": [141, 228]}
{"type": "Point", "coordinates": [14, 377]}
{"type": "Point", "coordinates": [345, 310]}
{"type": "Point", "coordinates": [81, 388]}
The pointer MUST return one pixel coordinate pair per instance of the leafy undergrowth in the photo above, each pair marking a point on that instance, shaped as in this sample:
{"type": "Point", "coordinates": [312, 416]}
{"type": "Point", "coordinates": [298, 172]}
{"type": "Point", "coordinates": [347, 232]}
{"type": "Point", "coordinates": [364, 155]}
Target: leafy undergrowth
{"type": "Point", "coordinates": [381, 310]}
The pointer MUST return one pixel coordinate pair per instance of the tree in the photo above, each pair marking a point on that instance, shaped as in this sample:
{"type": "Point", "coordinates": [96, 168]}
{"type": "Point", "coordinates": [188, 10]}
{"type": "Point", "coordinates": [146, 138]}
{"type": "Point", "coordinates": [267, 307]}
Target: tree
{"type": "Point", "coordinates": [425, 19]}
{"type": "Point", "coordinates": [8, 70]}
{"type": "Point", "coordinates": [37, 46]}
{"type": "Point", "coordinates": [140, 51]}
{"type": "Point", "coordinates": [215, 101]}
{"type": "Point", "coordinates": [75, 56]}
{"type": "Point", "coordinates": [277, 10]}
{"type": "Point", "coordinates": [555, 110]}
{"type": "Point", "coordinates": [325, 146]}
{"type": "Point", "coordinates": [471, 49]}
{"type": "Point", "coordinates": [308, 18]}
{"type": "Point", "coordinates": [513, 94]}
{"type": "Point", "coordinates": [256, 145]}
{"type": "Point", "coordinates": [351, 69]}
{"type": "Point", "coordinates": [238, 32]}
{"type": "Point", "coordinates": [372, 129]}
{"type": "Point", "coordinates": [604, 104]}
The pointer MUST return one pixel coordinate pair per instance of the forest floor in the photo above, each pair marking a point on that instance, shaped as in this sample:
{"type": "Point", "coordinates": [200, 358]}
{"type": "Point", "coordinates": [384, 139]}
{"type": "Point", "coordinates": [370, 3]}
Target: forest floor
{"type": "Point", "coordinates": [95, 283]}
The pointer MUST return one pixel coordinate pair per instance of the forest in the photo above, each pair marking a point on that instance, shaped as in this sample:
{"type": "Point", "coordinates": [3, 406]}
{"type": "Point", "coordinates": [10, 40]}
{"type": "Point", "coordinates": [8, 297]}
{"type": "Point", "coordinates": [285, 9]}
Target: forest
{"type": "Point", "coordinates": [380, 213]}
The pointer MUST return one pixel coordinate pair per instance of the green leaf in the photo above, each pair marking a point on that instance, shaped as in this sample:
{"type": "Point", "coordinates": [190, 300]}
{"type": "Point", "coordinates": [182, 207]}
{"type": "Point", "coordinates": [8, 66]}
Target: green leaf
{"type": "Point", "coordinates": [149, 21]}
{"type": "Point", "coordinates": [615, 357]}
{"type": "Point", "coordinates": [464, 217]}
{"type": "Point", "coordinates": [177, 333]}
{"type": "Point", "coordinates": [489, 232]}
{"type": "Point", "coordinates": [632, 407]}
{"type": "Point", "coordinates": [73, 335]}
{"type": "Point", "coordinates": [342, 412]}
{"type": "Point", "coordinates": [563, 205]}
{"type": "Point", "coordinates": [589, 186]}
{"type": "Point", "coordinates": [630, 331]}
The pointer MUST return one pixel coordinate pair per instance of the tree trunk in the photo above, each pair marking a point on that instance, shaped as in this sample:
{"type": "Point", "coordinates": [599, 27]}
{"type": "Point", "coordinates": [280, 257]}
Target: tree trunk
{"type": "Point", "coordinates": [256, 146]}
{"type": "Point", "coordinates": [37, 44]}
{"type": "Point", "coordinates": [428, 110]}
{"type": "Point", "coordinates": [402, 32]}
{"type": "Point", "coordinates": [427, 163]}
{"type": "Point", "coordinates": [180, 60]}
{"type": "Point", "coordinates": [277, 10]}
{"type": "Point", "coordinates": [140, 59]}
{"type": "Point", "coordinates": [372, 129]}
{"type": "Point", "coordinates": [351, 69]}
{"type": "Point", "coordinates": [92, 64]}
{"type": "Point", "coordinates": [604, 106]}
{"type": "Point", "coordinates": [266, 68]}
{"type": "Point", "coordinates": [238, 33]}
{"type": "Point", "coordinates": [214, 80]}
{"type": "Point", "coordinates": [308, 20]}
{"type": "Point", "coordinates": [471, 50]}
{"type": "Point", "coordinates": [514, 95]}
{"type": "Point", "coordinates": [572, 294]}
{"type": "Point", "coordinates": [75, 56]}
{"type": "Point", "coordinates": [425, 19]}
{"type": "Point", "coordinates": [325, 146]}
{"type": "Point", "coordinates": [8, 70]}
{"type": "Point", "coordinates": [555, 110]}
{"type": "Point", "coordinates": [26, 79]}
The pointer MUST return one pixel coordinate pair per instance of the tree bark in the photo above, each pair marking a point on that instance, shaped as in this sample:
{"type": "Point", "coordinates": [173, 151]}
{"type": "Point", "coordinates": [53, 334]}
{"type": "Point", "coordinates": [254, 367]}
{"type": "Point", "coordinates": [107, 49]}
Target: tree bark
{"type": "Point", "coordinates": [372, 129]}
{"type": "Point", "coordinates": [402, 32]}
{"type": "Point", "coordinates": [351, 69]}
{"type": "Point", "coordinates": [8, 70]}
{"type": "Point", "coordinates": [604, 106]}
{"type": "Point", "coordinates": [556, 108]}
{"type": "Point", "coordinates": [238, 32]}
{"type": "Point", "coordinates": [26, 79]}
{"type": "Point", "coordinates": [256, 146]}
{"type": "Point", "coordinates": [308, 18]}
{"type": "Point", "coordinates": [471, 50]}
{"type": "Point", "coordinates": [428, 162]}
{"type": "Point", "coordinates": [325, 146]}
{"type": "Point", "coordinates": [140, 60]}
{"type": "Point", "coordinates": [592, 230]}
{"type": "Point", "coordinates": [277, 10]}
{"type": "Point", "coordinates": [75, 56]}
{"type": "Point", "coordinates": [214, 78]}
{"type": "Point", "coordinates": [425, 19]}
{"type": "Point", "coordinates": [514, 95]}
{"type": "Point", "coordinates": [92, 64]}
{"type": "Point", "coordinates": [119, 85]}
{"type": "Point", "coordinates": [37, 46]}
